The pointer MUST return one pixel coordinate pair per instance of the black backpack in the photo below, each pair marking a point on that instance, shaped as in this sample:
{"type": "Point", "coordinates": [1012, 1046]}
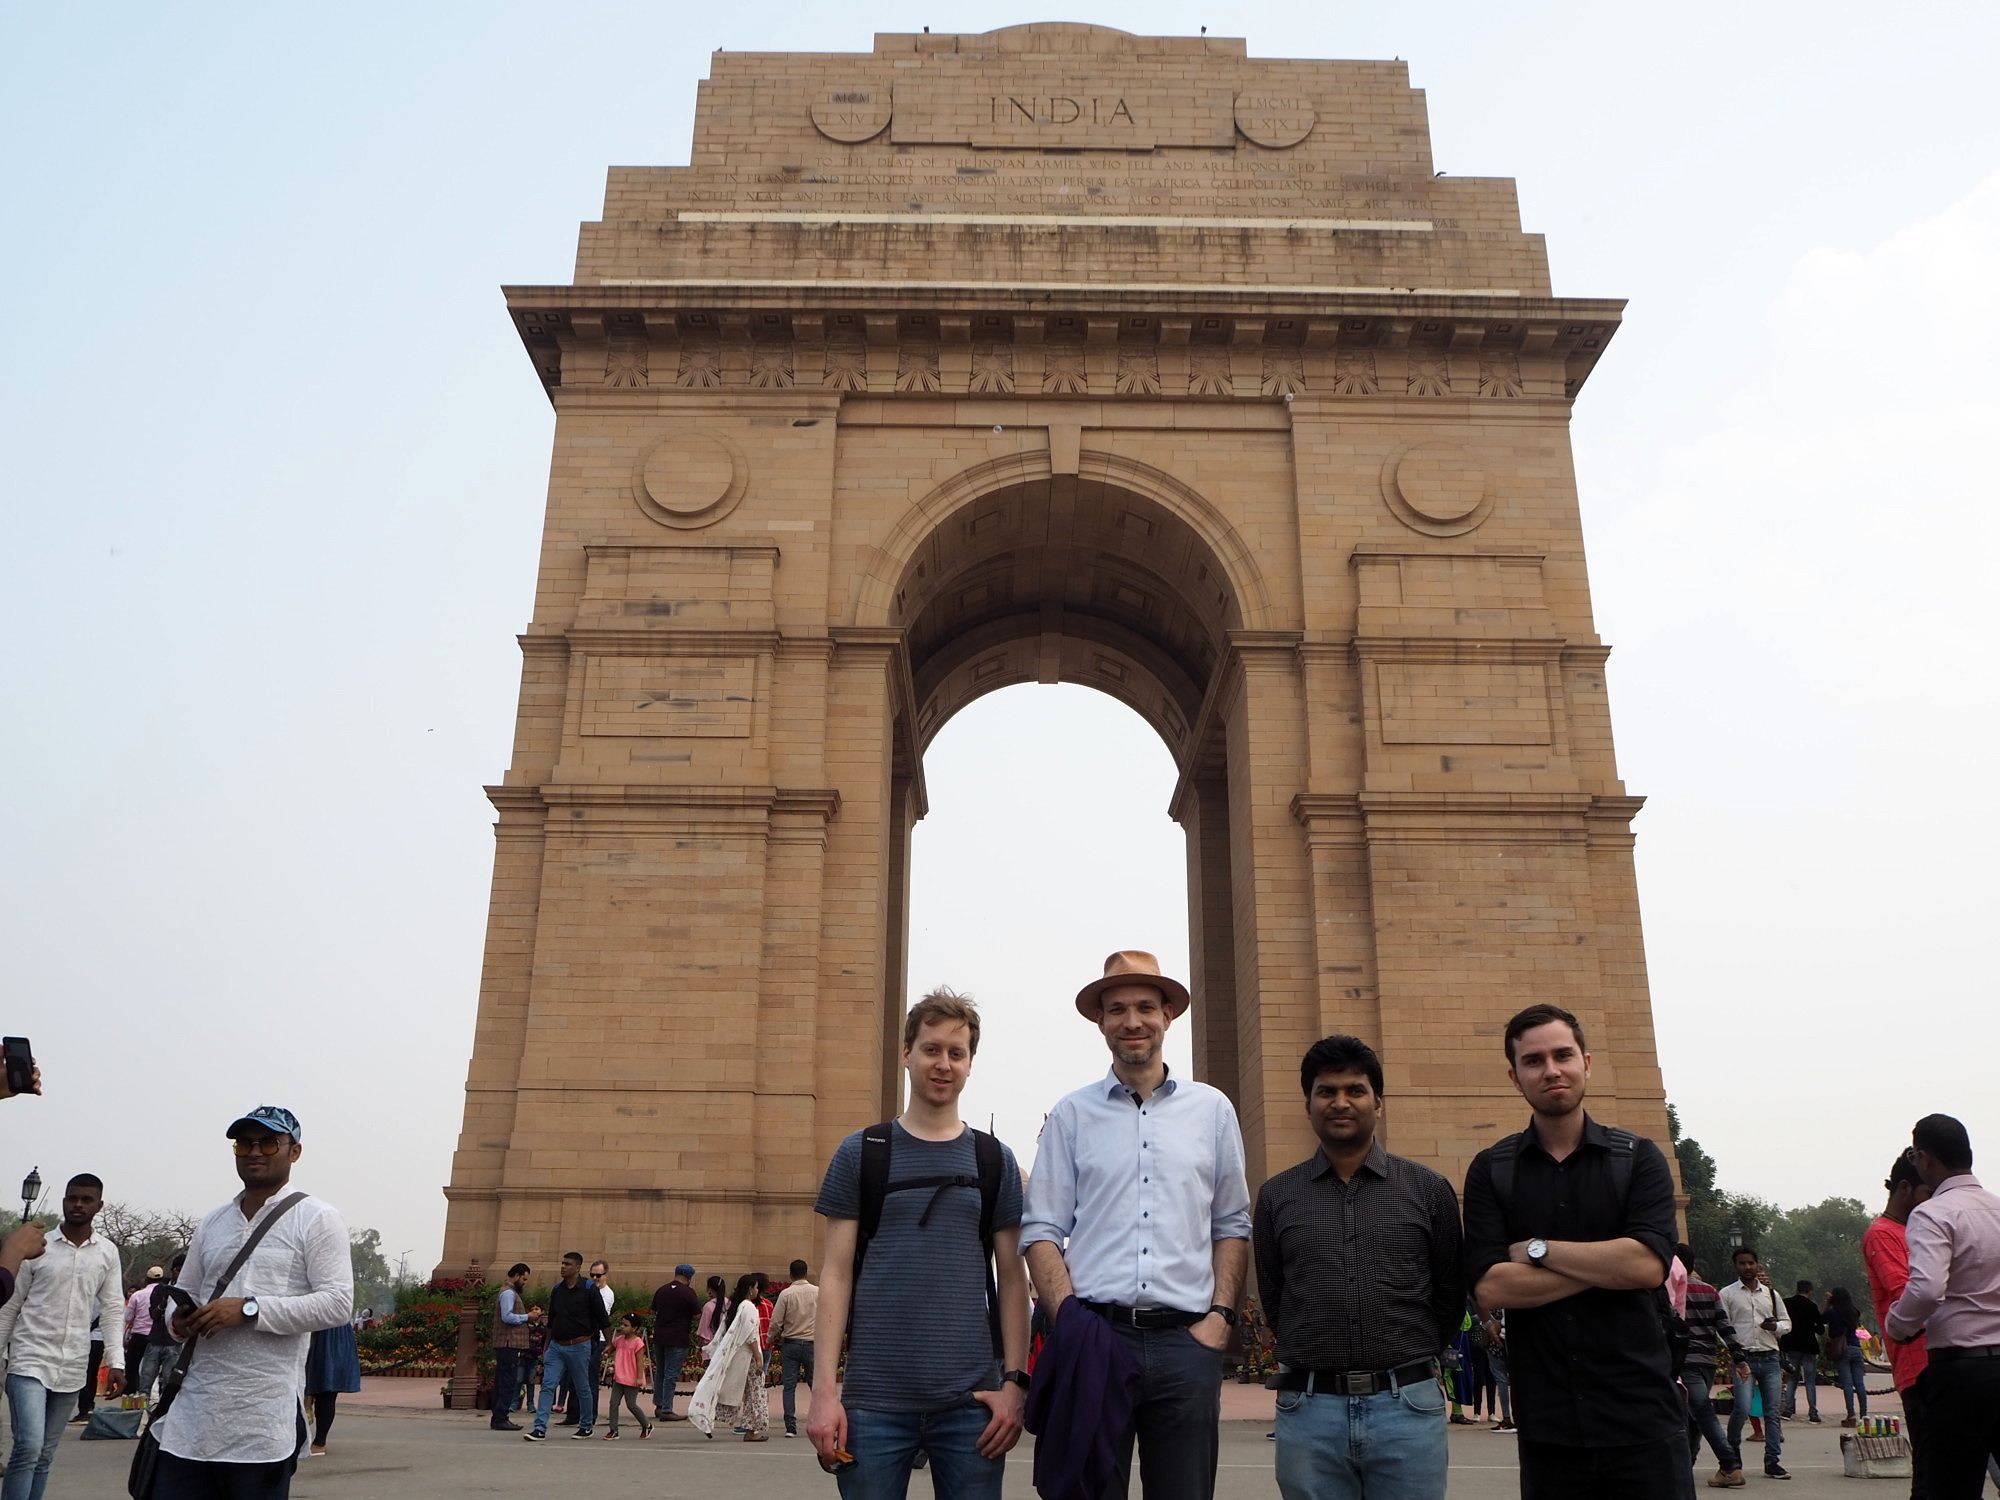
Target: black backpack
{"type": "Point", "coordinates": [1624, 1148]}
{"type": "Point", "coordinates": [876, 1142]}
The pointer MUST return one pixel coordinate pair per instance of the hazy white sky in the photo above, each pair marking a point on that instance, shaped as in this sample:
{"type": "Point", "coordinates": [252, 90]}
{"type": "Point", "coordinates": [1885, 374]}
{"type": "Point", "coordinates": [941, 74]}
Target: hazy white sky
{"type": "Point", "coordinates": [275, 465]}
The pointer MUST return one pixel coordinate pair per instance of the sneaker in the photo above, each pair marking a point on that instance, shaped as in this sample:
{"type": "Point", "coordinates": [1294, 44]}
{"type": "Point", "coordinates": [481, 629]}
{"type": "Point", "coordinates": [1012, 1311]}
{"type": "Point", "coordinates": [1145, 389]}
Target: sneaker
{"type": "Point", "coordinates": [1727, 1479]}
{"type": "Point", "coordinates": [1775, 1471]}
{"type": "Point", "coordinates": [1813, 1418]}
{"type": "Point", "coordinates": [609, 1437]}
{"type": "Point", "coordinates": [791, 1432]}
{"type": "Point", "coordinates": [535, 1435]}
{"type": "Point", "coordinates": [580, 1434]}
{"type": "Point", "coordinates": [1505, 1427]}
{"type": "Point", "coordinates": [646, 1430]}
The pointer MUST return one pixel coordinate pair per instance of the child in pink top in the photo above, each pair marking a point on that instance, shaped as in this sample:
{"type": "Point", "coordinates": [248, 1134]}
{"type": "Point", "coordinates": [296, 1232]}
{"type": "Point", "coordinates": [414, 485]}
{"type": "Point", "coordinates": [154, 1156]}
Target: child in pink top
{"type": "Point", "coordinates": [629, 1372]}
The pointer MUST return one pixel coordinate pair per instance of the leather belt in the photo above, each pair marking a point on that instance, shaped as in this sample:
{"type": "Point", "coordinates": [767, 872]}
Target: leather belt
{"type": "Point", "coordinates": [1119, 1315]}
{"type": "Point", "coordinates": [1950, 1352]}
{"type": "Point", "coordinates": [1353, 1382]}
{"type": "Point", "coordinates": [569, 1343]}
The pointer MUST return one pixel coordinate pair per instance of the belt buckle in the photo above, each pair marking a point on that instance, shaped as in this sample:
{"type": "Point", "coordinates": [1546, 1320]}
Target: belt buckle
{"type": "Point", "coordinates": [1357, 1383]}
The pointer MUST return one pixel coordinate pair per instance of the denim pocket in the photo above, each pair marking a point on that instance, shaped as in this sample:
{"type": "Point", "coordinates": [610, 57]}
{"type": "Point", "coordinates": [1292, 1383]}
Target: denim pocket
{"type": "Point", "coordinates": [1289, 1400]}
{"type": "Point", "coordinates": [1423, 1396]}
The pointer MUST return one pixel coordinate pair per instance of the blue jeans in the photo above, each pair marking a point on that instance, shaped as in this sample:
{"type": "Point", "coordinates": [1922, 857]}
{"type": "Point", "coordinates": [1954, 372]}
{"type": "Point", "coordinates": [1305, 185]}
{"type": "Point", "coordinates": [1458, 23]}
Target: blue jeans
{"type": "Point", "coordinates": [795, 1361]}
{"type": "Point", "coordinates": [1178, 1421]}
{"type": "Point", "coordinates": [885, 1445]}
{"type": "Point", "coordinates": [1765, 1371]}
{"type": "Point", "coordinates": [1853, 1378]}
{"type": "Point", "coordinates": [1801, 1368]}
{"type": "Point", "coordinates": [1389, 1446]}
{"type": "Point", "coordinates": [38, 1415]}
{"type": "Point", "coordinates": [666, 1375]}
{"type": "Point", "coordinates": [1702, 1421]}
{"type": "Point", "coordinates": [569, 1362]}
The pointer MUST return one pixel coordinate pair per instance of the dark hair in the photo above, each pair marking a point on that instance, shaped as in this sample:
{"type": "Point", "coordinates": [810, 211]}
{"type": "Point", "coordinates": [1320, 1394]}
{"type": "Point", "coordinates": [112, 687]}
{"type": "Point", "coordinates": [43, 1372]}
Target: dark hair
{"type": "Point", "coordinates": [178, 1262]}
{"type": "Point", "coordinates": [1684, 1253]}
{"type": "Point", "coordinates": [1540, 1015]}
{"type": "Point", "coordinates": [1340, 1054]}
{"type": "Point", "coordinates": [798, 1269]}
{"type": "Point", "coordinates": [89, 1180]}
{"type": "Point", "coordinates": [1802, 1288]}
{"type": "Point", "coordinates": [1946, 1139]}
{"type": "Point", "coordinates": [747, 1286]}
{"type": "Point", "coordinates": [635, 1320]}
{"type": "Point", "coordinates": [573, 1255]}
{"type": "Point", "coordinates": [519, 1268]}
{"type": "Point", "coordinates": [719, 1288]}
{"type": "Point", "coordinates": [1740, 1251]}
{"type": "Point", "coordinates": [1904, 1171]}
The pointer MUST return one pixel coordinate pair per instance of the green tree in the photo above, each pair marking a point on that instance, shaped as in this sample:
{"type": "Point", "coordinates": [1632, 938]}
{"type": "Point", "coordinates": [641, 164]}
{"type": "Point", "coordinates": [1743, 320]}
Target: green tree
{"type": "Point", "coordinates": [374, 1282]}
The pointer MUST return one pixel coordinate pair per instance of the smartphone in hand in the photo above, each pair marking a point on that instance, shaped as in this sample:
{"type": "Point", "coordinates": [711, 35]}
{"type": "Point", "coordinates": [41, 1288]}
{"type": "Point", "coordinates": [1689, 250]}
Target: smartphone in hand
{"type": "Point", "coordinates": [20, 1054]}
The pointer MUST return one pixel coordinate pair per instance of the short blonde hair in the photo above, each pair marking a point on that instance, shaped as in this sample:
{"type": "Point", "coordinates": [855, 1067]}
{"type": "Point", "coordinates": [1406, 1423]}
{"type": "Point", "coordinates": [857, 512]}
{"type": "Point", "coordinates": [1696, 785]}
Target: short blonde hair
{"type": "Point", "coordinates": [942, 1005]}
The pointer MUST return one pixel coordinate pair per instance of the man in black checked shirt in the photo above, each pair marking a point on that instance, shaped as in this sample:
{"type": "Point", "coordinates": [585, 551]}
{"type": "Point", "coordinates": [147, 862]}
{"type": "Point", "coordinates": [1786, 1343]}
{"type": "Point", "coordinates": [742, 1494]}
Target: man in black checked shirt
{"type": "Point", "coordinates": [1358, 1263]}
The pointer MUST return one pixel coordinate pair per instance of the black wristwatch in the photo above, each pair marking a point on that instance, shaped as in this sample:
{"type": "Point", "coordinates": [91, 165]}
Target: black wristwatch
{"type": "Point", "coordinates": [1228, 1313]}
{"type": "Point", "coordinates": [1014, 1377]}
{"type": "Point", "coordinates": [250, 1309]}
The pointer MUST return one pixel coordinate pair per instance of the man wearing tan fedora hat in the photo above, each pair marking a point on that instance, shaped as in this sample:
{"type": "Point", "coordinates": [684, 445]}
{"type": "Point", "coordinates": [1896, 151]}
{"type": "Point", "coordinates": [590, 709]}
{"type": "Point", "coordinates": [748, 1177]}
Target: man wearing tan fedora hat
{"type": "Point", "coordinates": [1138, 1207]}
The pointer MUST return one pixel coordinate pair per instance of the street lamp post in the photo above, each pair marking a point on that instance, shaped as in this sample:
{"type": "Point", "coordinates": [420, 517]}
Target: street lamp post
{"type": "Point", "coordinates": [31, 1189]}
{"type": "Point", "coordinates": [1735, 1235]}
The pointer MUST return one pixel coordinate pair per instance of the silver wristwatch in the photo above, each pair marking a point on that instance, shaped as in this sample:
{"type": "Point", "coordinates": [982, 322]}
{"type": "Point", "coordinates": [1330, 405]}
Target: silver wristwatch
{"type": "Point", "coordinates": [1538, 1252]}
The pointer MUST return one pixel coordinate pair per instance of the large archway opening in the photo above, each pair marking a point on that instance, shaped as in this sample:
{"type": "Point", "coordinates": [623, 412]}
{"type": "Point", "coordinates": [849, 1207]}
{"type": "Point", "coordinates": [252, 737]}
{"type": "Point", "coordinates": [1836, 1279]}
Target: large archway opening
{"type": "Point", "coordinates": [1047, 844]}
{"type": "Point", "coordinates": [1064, 579]}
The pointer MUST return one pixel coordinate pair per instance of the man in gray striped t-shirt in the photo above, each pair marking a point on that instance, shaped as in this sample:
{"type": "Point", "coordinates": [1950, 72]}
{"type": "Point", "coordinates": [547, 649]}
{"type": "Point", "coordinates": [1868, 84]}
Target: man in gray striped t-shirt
{"type": "Point", "coordinates": [922, 1373]}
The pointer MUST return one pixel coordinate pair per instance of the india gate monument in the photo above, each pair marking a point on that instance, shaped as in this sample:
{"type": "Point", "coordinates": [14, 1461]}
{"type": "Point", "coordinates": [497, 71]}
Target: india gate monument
{"type": "Point", "coordinates": [1053, 354]}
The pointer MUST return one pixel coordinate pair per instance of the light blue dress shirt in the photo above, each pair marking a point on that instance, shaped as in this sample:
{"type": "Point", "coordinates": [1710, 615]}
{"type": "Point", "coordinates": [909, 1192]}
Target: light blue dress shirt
{"type": "Point", "coordinates": [1140, 1191]}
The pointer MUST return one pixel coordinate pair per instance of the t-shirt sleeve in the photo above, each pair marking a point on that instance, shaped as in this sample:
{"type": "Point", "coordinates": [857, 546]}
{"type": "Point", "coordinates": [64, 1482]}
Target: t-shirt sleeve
{"type": "Point", "coordinates": [840, 1193]}
{"type": "Point", "coordinates": [1649, 1208]}
{"type": "Point", "coordinates": [1007, 1212]}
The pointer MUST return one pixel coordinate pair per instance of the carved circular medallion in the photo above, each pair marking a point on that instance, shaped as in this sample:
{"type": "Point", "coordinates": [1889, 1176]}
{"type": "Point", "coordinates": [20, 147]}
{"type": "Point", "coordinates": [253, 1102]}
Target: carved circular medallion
{"type": "Point", "coordinates": [690, 479]}
{"type": "Point", "coordinates": [852, 112]}
{"type": "Point", "coordinates": [1436, 488]}
{"type": "Point", "coordinates": [1275, 120]}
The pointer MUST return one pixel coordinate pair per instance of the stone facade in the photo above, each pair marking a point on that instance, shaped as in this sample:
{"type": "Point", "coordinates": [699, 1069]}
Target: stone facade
{"type": "Point", "coordinates": [1052, 354]}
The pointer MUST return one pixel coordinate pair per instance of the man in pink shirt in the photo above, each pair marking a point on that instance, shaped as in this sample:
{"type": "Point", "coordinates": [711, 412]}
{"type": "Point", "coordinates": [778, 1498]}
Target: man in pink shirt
{"type": "Point", "coordinates": [1953, 1297]}
{"type": "Point", "coordinates": [1886, 1251]}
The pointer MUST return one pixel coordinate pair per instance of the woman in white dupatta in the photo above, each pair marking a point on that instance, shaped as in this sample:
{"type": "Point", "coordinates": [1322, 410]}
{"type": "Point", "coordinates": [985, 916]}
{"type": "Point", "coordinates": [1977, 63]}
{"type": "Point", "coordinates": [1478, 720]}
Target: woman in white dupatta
{"type": "Point", "coordinates": [732, 1387]}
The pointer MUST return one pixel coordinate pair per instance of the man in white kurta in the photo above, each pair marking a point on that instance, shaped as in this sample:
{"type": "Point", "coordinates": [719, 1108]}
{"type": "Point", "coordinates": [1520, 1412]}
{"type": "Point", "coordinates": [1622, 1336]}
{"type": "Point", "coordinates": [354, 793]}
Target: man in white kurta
{"type": "Point", "coordinates": [236, 1428]}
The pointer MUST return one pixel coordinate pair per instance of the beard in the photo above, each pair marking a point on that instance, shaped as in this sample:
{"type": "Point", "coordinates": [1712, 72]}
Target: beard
{"type": "Point", "coordinates": [1560, 1105]}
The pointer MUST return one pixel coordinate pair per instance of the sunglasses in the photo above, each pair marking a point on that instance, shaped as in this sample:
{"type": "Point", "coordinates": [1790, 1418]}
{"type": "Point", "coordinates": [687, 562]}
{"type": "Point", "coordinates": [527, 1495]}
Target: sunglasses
{"type": "Point", "coordinates": [269, 1146]}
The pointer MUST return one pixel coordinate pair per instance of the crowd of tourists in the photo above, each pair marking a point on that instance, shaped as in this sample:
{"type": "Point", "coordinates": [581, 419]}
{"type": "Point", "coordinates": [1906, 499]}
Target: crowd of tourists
{"type": "Point", "coordinates": [1115, 1275]}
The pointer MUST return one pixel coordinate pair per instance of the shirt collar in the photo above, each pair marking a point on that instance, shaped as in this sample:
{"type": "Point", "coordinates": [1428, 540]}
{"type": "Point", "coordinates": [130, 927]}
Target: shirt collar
{"type": "Point", "coordinates": [1377, 1161]}
{"type": "Point", "coordinates": [1953, 1184]}
{"type": "Point", "coordinates": [1594, 1134]}
{"type": "Point", "coordinates": [90, 1239]}
{"type": "Point", "coordinates": [1114, 1086]}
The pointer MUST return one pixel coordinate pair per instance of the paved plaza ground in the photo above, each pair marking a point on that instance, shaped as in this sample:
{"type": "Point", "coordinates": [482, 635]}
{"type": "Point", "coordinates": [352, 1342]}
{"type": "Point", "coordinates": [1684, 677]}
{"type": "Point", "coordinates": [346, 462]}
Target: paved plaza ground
{"type": "Point", "coordinates": [385, 1446]}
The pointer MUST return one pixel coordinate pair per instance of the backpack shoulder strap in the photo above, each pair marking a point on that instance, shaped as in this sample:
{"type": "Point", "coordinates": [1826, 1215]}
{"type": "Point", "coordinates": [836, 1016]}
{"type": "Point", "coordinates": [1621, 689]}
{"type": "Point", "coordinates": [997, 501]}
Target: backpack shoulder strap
{"type": "Point", "coordinates": [875, 1145]}
{"type": "Point", "coordinates": [1624, 1152]}
{"type": "Point", "coordinates": [986, 1151]}
{"type": "Point", "coordinates": [1500, 1166]}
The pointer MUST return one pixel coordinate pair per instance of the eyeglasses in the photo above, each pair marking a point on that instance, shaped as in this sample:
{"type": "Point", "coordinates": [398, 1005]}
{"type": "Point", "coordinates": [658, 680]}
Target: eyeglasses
{"type": "Point", "coordinates": [269, 1146]}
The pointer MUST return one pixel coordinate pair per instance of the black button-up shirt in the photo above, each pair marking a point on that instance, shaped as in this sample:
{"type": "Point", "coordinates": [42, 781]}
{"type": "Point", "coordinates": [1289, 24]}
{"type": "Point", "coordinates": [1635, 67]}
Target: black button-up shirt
{"type": "Point", "coordinates": [1590, 1371]}
{"type": "Point", "coordinates": [1363, 1274]}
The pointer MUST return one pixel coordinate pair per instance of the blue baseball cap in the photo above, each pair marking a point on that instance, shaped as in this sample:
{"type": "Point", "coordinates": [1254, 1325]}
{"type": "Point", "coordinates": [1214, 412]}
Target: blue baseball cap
{"type": "Point", "coordinates": [271, 1117]}
{"type": "Point", "coordinates": [684, 1270]}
